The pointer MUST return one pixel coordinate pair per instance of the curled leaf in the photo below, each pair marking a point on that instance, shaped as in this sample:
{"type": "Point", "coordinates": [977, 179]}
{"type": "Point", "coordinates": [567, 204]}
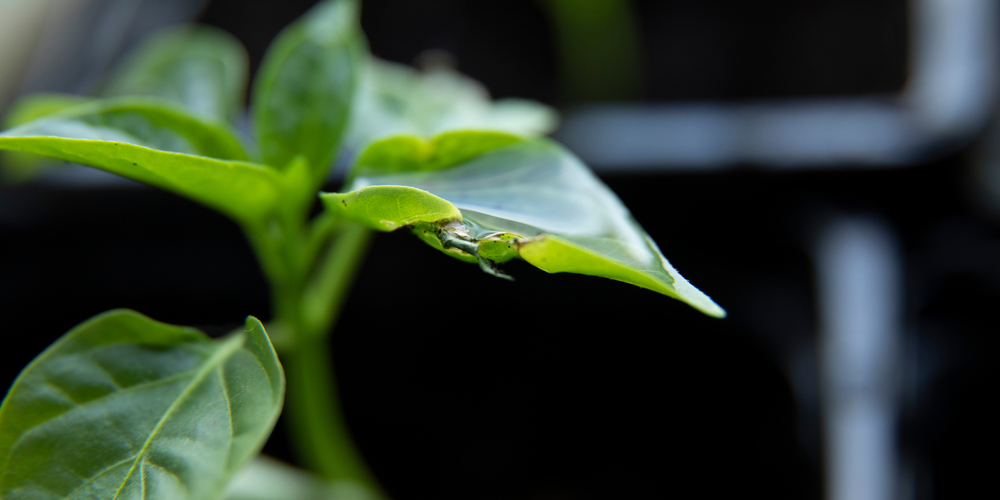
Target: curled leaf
{"type": "Point", "coordinates": [531, 199]}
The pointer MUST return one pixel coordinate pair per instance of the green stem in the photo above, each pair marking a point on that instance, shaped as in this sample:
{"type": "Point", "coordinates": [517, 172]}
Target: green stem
{"type": "Point", "coordinates": [319, 432]}
{"type": "Point", "coordinates": [307, 297]}
{"type": "Point", "coordinates": [324, 294]}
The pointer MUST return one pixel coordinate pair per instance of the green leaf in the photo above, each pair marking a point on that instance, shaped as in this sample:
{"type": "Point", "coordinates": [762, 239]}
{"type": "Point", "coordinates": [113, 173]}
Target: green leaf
{"type": "Point", "coordinates": [126, 407]}
{"type": "Point", "coordinates": [35, 106]}
{"type": "Point", "coordinates": [531, 199]}
{"type": "Point", "coordinates": [397, 100]}
{"type": "Point", "coordinates": [19, 167]}
{"type": "Point", "coordinates": [244, 191]}
{"type": "Point", "coordinates": [143, 121]}
{"type": "Point", "coordinates": [200, 68]}
{"type": "Point", "coordinates": [413, 153]}
{"type": "Point", "coordinates": [304, 91]}
{"type": "Point", "coordinates": [387, 208]}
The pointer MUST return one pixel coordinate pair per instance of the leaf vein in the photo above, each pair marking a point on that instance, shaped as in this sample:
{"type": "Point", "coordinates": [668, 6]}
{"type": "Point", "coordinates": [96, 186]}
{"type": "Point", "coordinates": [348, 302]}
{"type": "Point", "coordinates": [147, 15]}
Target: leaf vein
{"type": "Point", "coordinates": [135, 388]}
{"type": "Point", "coordinates": [218, 357]}
{"type": "Point", "coordinates": [229, 412]}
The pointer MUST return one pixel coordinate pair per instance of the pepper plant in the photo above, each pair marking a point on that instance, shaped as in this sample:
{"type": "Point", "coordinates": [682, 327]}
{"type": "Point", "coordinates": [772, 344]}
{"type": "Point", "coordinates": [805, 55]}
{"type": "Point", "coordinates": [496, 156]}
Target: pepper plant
{"type": "Point", "coordinates": [123, 406]}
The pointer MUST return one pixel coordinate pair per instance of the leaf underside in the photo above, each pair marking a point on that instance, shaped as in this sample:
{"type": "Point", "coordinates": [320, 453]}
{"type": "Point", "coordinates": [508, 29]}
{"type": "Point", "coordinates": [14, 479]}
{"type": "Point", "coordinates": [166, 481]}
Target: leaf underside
{"type": "Point", "coordinates": [530, 198]}
{"type": "Point", "coordinates": [124, 407]}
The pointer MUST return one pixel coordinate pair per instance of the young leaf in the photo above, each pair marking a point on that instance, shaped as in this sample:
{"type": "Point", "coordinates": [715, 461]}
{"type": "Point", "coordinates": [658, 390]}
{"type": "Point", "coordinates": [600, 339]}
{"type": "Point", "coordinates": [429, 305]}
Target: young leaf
{"type": "Point", "coordinates": [244, 191]}
{"type": "Point", "coordinates": [304, 91]}
{"type": "Point", "coordinates": [395, 100]}
{"type": "Point", "coordinates": [200, 68]}
{"type": "Point", "coordinates": [126, 407]}
{"type": "Point", "coordinates": [531, 199]}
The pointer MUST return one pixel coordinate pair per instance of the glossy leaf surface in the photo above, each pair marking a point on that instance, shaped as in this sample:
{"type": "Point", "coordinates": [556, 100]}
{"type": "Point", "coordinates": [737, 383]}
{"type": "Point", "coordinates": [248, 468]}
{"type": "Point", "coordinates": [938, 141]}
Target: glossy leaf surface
{"type": "Point", "coordinates": [244, 191]}
{"type": "Point", "coordinates": [200, 68]}
{"type": "Point", "coordinates": [303, 95]}
{"type": "Point", "coordinates": [398, 100]}
{"type": "Point", "coordinates": [126, 407]}
{"type": "Point", "coordinates": [531, 198]}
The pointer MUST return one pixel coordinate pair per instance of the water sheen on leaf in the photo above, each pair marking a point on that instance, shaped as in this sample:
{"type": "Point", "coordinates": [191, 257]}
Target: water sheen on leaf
{"type": "Point", "coordinates": [531, 198]}
{"type": "Point", "coordinates": [125, 407]}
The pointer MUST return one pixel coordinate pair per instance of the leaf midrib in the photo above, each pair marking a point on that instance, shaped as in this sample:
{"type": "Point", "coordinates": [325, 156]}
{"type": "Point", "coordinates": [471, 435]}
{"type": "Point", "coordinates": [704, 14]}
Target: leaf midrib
{"type": "Point", "coordinates": [225, 350]}
{"type": "Point", "coordinates": [117, 392]}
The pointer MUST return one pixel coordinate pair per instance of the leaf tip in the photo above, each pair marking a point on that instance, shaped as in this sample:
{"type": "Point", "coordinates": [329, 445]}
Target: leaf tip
{"type": "Point", "coordinates": [694, 297]}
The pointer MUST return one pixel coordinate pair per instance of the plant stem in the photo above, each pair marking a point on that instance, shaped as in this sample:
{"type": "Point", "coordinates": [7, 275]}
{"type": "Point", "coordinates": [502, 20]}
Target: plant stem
{"type": "Point", "coordinates": [318, 430]}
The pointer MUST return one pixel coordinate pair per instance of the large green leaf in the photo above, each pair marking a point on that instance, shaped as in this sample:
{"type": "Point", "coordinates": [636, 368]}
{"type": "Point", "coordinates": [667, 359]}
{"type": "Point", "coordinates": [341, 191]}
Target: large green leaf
{"type": "Point", "coordinates": [203, 69]}
{"type": "Point", "coordinates": [124, 407]}
{"type": "Point", "coordinates": [531, 199]}
{"type": "Point", "coordinates": [304, 92]}
{"type": "Point", "coordinates": [395, 100]}
{"type": "Point", "coordinates": [245, 191]}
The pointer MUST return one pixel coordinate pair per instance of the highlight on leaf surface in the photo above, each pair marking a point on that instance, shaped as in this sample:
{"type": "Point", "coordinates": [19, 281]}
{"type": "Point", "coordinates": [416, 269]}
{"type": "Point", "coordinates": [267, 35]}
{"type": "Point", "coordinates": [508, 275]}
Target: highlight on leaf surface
{"type": "Point", "coordinates": [526, 198]}
{"type": "Point", "coordinates": [123, 406]}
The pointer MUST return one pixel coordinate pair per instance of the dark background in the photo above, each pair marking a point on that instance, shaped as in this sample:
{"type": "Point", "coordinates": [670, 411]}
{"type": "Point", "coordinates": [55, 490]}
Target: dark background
{"type": "Point", "coordinates": [460, 385]}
